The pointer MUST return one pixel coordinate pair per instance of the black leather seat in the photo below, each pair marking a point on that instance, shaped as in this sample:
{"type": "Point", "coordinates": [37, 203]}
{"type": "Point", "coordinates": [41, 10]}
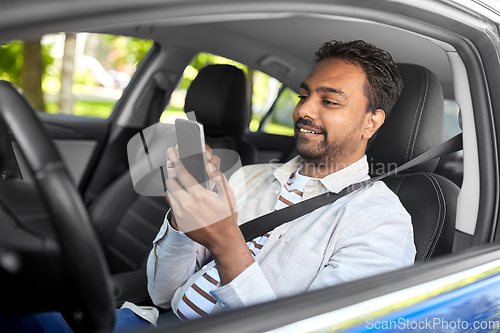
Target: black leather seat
{"type": "Point", "coordinates": [415, 126]}
{"type": "Point", "coordinates": [218, 97]}
{"type": "Point", "coordinates": [127, 222]}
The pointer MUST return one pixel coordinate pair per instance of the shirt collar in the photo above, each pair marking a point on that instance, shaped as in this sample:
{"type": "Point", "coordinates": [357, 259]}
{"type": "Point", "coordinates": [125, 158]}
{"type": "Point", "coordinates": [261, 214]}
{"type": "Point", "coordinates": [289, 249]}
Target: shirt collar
{"type": "Point", "coordinates": [334, 182]}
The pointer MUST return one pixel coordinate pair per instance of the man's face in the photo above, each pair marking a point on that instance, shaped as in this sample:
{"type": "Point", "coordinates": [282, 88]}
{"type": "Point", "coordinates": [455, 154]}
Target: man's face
{"type": "Point", "coordinates": [331, 116]}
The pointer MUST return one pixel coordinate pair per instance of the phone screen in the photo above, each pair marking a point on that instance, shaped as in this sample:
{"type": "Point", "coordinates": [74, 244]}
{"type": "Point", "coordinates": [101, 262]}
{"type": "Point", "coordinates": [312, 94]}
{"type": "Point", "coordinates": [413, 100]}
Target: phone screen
{"type": "Point", "coordinates": [191, 144]}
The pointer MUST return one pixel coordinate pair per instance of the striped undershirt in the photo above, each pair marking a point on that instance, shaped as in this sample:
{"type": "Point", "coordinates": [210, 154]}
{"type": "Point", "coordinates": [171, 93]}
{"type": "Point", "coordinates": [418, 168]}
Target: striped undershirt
{"type": "Point", "coordinates": [197, 301]}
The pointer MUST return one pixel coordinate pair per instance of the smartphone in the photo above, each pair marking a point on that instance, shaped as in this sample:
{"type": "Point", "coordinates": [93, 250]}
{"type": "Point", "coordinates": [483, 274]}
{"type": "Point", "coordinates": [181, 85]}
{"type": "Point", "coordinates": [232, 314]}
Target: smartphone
{"type": "Point", "coordinates": [192, 152]}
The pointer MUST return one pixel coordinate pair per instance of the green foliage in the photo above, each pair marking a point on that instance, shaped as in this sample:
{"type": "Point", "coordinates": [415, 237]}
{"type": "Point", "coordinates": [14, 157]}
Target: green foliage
{"type": "Point", "coordinates": [46, 58]}
{"type": "Point", "coordinates": [117, 52]}
{"type": "Point", "coordinates": [101, 109]}
{"type": "Point", "coordinates": [283, 108]}
{"type": "Point", "coordinates": [11, 62]}
{"type": "Point", "coordinates": [137, 48]}
{"type": "Point", "coordinates": [279, 129]}
{"type": "Point", "coordinates": [204, 59]}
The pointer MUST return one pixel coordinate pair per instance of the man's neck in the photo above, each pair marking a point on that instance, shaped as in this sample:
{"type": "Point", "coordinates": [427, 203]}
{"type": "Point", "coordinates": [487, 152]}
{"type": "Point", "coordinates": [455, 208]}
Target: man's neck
{"type": "Point", "coordinates": [321, 170]}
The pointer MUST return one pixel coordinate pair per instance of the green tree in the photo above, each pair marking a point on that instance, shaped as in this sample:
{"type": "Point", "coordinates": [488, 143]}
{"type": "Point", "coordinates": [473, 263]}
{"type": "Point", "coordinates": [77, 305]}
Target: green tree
{"type": "Point", "coordinates": [24, 64]}
{"type": "Point", "coordinates": [68, 63]}
{"type": "Point", "coordinates": [117, 52]}
{"type": "Point", "coordinates": [204, 59]}
{"type": "Point", "coordinates": [32, 72]}
{"type": "Point", "coordinates": [11, 62]}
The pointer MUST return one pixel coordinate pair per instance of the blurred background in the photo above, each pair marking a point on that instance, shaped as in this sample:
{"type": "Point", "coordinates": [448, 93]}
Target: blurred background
{"type": "Point", "coordinates": [85, 74]}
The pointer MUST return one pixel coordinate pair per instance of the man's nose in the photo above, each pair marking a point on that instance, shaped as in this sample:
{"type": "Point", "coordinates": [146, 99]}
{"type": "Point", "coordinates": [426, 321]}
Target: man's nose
{"type": "Point", "coordinates": [307, 109]}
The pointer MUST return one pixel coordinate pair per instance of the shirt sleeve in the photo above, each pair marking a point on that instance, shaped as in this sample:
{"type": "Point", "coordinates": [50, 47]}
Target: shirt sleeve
{"type": "Point", "coordinates": [173, 259]}
{"type": "Point", "coordinates": [248, 288]}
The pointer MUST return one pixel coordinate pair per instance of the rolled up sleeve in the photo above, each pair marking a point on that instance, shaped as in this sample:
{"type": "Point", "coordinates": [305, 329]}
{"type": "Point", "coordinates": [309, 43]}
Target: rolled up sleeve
{"type": "Point", "coordinates": [173, 259]}
{"type": "Point", "coordinates": [248, 288]}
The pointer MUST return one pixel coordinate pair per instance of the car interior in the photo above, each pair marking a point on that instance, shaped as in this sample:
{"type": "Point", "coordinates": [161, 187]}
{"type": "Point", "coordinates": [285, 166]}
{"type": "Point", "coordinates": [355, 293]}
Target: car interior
{"type": "Point", "coordinates": [446, 197]}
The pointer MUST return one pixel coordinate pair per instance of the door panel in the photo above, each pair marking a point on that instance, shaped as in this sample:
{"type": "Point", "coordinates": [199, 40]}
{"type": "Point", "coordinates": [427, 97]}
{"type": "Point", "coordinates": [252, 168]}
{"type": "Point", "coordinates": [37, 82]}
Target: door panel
{"type": "Point", "coordinates": [79, 140]}
{"type": "Point", "coordinates": [76, 154]}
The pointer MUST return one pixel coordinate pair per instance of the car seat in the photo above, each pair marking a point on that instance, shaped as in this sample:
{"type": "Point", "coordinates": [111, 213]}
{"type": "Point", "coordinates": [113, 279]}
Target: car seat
{"type": "Point", "coordinates": [414, 126]}
{"type": "Point", "coordinates": [127, 222]}
{"type": "Point", "coordinates": [218, 97]}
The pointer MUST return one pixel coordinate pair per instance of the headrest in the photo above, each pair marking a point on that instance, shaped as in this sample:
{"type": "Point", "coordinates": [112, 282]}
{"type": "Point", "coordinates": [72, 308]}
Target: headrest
{"type": "Point", "coordinates": [218, 97]}
{"type": "Point", "coordinates": [415, 124]}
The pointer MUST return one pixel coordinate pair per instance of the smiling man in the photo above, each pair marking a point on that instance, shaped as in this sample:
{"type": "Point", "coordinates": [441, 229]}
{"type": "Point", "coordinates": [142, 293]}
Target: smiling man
{"type": "Point", "coordinates": [343, 102]}
{"type": "Point", "coordinates": [334, 118]}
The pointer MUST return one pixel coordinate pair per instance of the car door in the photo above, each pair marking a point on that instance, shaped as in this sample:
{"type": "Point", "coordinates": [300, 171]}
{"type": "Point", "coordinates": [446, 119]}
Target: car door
{"type": "Point", "coordinates": [79, 140]}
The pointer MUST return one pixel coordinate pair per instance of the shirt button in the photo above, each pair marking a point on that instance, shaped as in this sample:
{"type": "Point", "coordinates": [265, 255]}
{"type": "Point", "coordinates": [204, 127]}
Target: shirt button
{"type": "Point", "coordinates": [278, 191]}
{"type": "Point", "coordinates": [144, 313]}
{"type": "Point", "coordinates": [204, 267]}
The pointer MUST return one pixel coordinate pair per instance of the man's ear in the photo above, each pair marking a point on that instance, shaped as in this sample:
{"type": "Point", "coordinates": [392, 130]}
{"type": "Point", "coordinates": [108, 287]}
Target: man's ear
{"type": "Point", "coordinates": [375, 120]}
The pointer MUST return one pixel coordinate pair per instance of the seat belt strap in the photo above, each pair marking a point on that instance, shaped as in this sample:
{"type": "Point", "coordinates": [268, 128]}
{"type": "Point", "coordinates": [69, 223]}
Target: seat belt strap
{"type": "Point", "coordinates": [265, 223]}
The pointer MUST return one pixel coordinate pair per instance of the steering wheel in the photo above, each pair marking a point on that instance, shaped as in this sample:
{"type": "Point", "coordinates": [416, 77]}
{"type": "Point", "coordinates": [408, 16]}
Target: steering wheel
{"type": "Point", "coordinates": [83, 265]}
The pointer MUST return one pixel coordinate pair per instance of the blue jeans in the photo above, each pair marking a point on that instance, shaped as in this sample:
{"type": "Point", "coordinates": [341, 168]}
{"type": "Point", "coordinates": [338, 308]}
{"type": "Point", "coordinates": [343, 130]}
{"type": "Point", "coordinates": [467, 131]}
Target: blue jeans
{"type": "Point", "coordinates": [125, 320]}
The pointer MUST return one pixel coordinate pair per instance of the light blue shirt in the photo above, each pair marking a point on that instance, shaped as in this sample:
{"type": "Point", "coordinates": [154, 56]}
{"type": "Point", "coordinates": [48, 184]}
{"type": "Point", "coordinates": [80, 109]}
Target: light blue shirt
{"type": "Point", "coordinates": [364, 233]}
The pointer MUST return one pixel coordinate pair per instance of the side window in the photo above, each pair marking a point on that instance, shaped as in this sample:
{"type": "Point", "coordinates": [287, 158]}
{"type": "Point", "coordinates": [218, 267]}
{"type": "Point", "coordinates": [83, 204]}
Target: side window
{"type": "Point", "coordinates": [268, 95]}
{"type": "Point", "coordinates": [278, 120]}
{"type": "Point", "coordinates": [265, 91]}
{"type": "Point", "coordinates": [82, 74]}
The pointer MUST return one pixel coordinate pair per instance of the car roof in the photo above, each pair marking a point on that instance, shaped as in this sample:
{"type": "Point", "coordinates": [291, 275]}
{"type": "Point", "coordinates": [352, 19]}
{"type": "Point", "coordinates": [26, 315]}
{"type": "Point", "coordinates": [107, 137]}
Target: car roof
{"type": "Point", "coordinates": [275, 37]}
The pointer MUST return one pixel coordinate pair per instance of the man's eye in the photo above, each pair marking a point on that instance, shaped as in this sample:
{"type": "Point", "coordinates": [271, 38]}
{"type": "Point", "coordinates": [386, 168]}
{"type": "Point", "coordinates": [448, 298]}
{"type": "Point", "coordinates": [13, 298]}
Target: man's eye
{"type": "Point", "coordinates": [327, 102]}
{"type": "Point", "coordinates": [302, 97]}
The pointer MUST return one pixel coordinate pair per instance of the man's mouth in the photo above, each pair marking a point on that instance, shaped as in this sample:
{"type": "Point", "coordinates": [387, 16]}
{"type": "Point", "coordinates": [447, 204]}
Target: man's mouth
{"type": "Point", "coordinates": [308, 131]}
{"type": "Point", "coordinates": [302, 130]}
{"type": "Point", "coordinates": [305, 128]}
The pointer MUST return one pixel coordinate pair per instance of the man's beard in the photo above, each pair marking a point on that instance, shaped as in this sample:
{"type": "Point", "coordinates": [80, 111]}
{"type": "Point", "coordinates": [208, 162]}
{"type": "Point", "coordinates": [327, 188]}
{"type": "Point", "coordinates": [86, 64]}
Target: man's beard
{"type": "Point", "coordinates": [323, 152]}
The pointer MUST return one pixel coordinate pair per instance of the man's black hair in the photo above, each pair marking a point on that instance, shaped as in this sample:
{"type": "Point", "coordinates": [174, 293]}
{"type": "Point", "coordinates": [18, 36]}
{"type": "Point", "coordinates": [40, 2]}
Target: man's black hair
{"type": "Point", "coordinates": [384, 81]}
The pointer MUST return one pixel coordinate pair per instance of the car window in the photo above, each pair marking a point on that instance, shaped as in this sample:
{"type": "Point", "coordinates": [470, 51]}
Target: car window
{"type": "Point", "coordinates": [265, 90]}
{"type": "Point", "coordinates": [82, 74]}
{"type": "Point", "coordinates": [279, 118]}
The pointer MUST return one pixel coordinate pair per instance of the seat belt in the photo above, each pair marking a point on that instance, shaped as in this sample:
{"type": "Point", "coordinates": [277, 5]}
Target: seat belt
{"type": "Point", "coordinates": [265, 223]}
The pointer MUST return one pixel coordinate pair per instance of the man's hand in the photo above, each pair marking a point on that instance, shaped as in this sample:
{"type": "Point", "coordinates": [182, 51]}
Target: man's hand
{"type": "Point", "coordinates": [171, 173]}
{"type": "Point", "coordinates": [207, 217]}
